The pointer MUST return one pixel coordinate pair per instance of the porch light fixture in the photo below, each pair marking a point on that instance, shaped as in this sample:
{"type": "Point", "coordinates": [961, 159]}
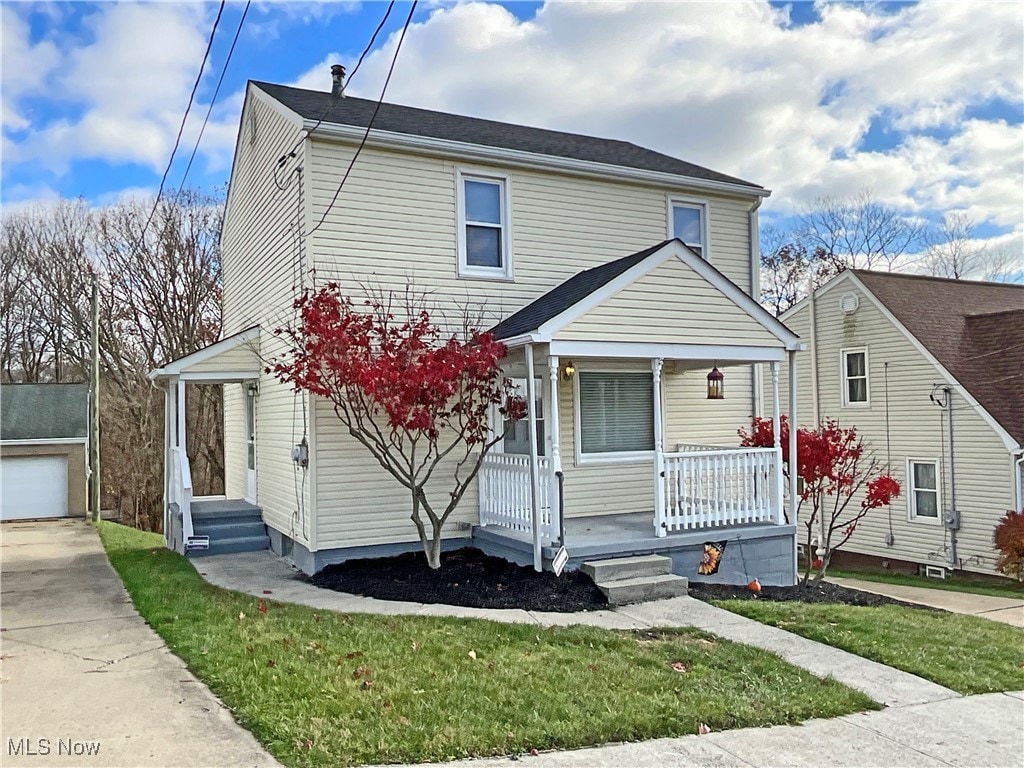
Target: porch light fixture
{"type": "Point", "coordinates": [568, 371]}
{"type": "Point", "coordinates": [716, 381]}
{"type": "Point", "coordinates": [253, 389]}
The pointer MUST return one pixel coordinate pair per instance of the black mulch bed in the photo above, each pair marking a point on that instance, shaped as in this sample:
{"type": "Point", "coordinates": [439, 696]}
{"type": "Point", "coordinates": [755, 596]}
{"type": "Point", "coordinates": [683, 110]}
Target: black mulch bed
{"type": "Point", "coordinates": [467, 577]}
{"type": "Point", "coordinates": [823, 592]}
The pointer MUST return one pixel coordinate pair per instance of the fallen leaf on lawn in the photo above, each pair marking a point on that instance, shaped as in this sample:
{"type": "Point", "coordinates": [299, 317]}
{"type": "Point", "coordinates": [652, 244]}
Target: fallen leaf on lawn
{"type": "Point", "coordinates": [241, 615]}
{"type": "Point", "coordinates": [366, 685]}
{"type": "Point", "coordinates": [490, 666]}
{"type": "Point", "coordinates": [419, 690]}
{"type": "Point", "coordinates": [403, 721]}
{"type": "Point", "coordinates": [271, 663]}
{"type": "Point", "coordinates": [703, 729]}
{"type": "Point", "coordinates": [386, 704]}
{"type": "Point", "coordinates": [472, 654]}
{"type": "Point", "coordinates": [533, 751]}
{"type": "Point", "coordinates": [500, 587]}
{"type": "Point", "coordinates": [205, 651]}
{"type": "Point", "coordinates": [353, 654]}
{"type": "Point", "coordinates": [306, 744]}
{"type": "Point", "coordinates": [678, 666]}
{"type": "Point", "coordinates": [510, 735]}
{"type": "Point", "coordinates": [415, 645]}
{"type": "Point", "coordinates": [248, 649]}
{"type": "Point", "coordinates": [592, 667]}
{"type": "Point", "coordinates": [362, 671]}
{"type": "Point", "coordinates": [263, 606]}
{"type": "Point", "coordinates": [314, 646]}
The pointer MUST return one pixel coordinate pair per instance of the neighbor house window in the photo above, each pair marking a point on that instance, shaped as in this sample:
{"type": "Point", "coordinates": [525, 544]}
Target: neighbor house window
{"type": "Point", "coordinates": [517, 434]}
{"type": "Point", "coordinates": [688, 223]}
{"type": "Point", "coordinates": [923, 496]}
{"type": "Point", "coordinates": [483, 226]}
{"type": "Point", "coordinates": [855, 376]}
{"type": "Point", "coordinates": [616, 413]}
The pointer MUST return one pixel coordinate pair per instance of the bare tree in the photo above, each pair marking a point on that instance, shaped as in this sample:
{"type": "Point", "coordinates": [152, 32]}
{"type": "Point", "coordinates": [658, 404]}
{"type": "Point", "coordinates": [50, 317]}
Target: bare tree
{"type": "Point", "coordinates": [787, 269]}
{"type": "Point", "coordinates": [860, 232]}
{"type": "Point", "coordinates": [953, 251]}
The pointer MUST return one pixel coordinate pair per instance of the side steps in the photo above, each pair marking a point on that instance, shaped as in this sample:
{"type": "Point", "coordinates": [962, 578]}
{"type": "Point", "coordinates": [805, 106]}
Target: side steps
{"type": "Point", "coordinates": [626, 580]}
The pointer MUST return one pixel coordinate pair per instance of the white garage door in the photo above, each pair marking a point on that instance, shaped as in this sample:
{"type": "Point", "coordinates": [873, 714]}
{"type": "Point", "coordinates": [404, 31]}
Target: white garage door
{"type": "Point", "coordinates": [33, 486]}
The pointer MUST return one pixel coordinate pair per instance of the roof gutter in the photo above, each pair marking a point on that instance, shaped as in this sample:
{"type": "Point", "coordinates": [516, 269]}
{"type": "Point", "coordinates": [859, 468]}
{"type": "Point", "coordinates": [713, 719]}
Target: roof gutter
{"type": "Point", "coordinates": [514, 157]}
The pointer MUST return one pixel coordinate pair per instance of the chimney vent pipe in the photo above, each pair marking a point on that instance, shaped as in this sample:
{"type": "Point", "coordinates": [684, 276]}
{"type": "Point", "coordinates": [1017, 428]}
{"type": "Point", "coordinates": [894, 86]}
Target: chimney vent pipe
{"type": "Point", "coordinates": [338, 80]}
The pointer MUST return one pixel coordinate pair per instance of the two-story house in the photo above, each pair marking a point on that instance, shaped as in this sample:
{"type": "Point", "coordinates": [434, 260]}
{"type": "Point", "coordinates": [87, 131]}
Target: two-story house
{"type": "Point", "coordinates": [620, 279]}
{"type": "Point", "coordinates": [931, 373]}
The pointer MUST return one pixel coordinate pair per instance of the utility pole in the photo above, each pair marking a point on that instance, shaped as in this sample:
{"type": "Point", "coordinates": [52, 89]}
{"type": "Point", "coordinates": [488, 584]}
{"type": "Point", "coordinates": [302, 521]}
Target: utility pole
{"type": "Point", "coordinates": [94, 403]}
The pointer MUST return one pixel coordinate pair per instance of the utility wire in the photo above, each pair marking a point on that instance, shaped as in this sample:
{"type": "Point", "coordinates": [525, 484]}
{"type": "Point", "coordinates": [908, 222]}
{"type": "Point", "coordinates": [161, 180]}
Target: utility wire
{"type": "Point", "coordinates": [184, 118]}
{"type": "Point", "coordinates": [369, 125]}
{"type": "Point", "coordinates": [281, 160]}
{"type": "Point", "coordinates": [216, 92]}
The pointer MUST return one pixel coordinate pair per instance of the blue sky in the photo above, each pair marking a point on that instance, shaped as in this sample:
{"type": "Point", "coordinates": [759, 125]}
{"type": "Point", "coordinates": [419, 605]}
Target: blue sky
{"type": "Point", "coordinates": [921, 104]}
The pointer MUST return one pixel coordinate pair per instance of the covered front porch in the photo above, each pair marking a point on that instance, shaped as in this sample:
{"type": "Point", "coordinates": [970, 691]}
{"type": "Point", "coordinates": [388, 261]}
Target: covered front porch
{"type": "Point", "coordinates": [613, 457]}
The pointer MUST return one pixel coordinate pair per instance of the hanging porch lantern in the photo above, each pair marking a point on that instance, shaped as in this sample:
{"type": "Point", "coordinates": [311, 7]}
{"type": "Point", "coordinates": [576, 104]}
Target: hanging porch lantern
{"type": "Point", "coordinates": [716, 381]}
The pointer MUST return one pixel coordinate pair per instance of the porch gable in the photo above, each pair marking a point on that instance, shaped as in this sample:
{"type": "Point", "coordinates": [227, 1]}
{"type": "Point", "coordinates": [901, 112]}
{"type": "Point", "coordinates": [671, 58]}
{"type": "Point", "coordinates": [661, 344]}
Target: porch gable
{"type": "Point", "coordinates": [235, 358]}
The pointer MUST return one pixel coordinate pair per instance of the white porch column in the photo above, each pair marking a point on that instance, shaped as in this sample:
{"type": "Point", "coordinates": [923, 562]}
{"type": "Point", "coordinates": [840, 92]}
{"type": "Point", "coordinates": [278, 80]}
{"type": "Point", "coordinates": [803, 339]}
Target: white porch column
{"type": "Point", "coordinates": [180, 412]}
{"type": "Point", "coordinates": [659, 450]}
{"type": "Point", "coordinates": [793, 464]}
{"type": "Point", "coordinates": [777, 441]}
{"type": "Point", "coordinates": [169, 438]}
{"type": "Point", "coordinates": [531, 399]}
{"type": "Point", "coordinates": [556, 452]}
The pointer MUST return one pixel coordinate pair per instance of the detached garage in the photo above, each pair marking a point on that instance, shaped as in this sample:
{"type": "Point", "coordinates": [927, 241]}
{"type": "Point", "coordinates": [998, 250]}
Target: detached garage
{"type": "Point", "coordinates": [44, 436]}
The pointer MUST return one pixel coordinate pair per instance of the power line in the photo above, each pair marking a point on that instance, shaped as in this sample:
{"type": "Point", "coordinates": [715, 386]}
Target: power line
{"type": "Point", "coordinates": [369, 125]}
{"type": "Point", "coordinates": [373, 38]}
{"type": "Point", "coordinates": [216, 91]}
{"type": "Point", "coordinates": [184, 118]}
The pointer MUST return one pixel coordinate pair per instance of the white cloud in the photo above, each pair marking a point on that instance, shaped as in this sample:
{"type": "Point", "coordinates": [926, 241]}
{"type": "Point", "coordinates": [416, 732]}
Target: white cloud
{"type": "Point", "coordinates": [25, 66]}
{"type": "Point", "coordinates": [737, 87]}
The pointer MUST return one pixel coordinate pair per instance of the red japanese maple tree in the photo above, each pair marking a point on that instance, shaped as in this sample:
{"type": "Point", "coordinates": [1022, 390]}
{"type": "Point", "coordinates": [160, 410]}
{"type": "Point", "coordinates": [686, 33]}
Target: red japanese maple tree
{"type": "Point", "coordinates": [833, 466]}
{"type": "Point", "coordinates": [416, 399]}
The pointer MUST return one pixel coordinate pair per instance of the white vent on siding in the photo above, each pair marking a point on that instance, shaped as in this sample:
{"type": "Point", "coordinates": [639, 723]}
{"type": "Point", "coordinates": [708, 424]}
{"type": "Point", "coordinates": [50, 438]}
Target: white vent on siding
{"type": "Point", "coordinates": [849, 303]}
{"type": "Point", "coordinates": [934, 571]}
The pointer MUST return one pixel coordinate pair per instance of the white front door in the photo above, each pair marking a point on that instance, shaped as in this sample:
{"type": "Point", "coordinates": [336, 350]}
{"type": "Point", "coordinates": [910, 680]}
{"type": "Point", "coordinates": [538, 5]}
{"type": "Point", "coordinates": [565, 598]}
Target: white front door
{"type": "Point", "coordinates": [250, 444]}
{"type": "Point", "coordinates": [33, 486]}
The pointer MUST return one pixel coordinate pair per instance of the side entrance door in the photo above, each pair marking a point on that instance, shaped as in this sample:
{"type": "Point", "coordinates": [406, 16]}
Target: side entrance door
{"type": "Point", "coordinates": [250, 443]}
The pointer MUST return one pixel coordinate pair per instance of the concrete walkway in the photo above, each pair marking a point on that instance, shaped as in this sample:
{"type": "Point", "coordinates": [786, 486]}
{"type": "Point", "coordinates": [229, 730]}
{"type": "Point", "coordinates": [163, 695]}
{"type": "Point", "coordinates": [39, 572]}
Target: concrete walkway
{"type": "Point", "coordinates": [1008, 610]}
{"type": "Point", "coordinates": [257, 573]}
{"type": "Point", "coordinates": [82, 675]}
{"type": "Point", "coordinates": [970, 731]}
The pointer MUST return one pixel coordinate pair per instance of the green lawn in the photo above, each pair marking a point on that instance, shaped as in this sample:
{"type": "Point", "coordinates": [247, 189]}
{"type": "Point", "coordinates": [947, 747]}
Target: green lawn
{"type": "Point", "coordinates": [326, 689]}
{"type": "Point", "coordinates": [956, 583]}
{"type": "Point", "coordinates": [965, 653]}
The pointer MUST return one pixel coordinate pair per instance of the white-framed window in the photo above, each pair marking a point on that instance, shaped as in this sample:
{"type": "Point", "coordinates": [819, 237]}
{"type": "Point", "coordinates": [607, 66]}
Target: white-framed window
{"type": "Point", "coordinates": [517, 436]}
{"type": "Point", "coordinates": [924, 490]}
{"type": "Point", "coordinates": [614, 415]}
{"type": "Point", "coordinates": [688, 220]}
{"type": "Point", "coordinates": [854, 370]}
{"type": "Point", "coordinates": [484, 230]}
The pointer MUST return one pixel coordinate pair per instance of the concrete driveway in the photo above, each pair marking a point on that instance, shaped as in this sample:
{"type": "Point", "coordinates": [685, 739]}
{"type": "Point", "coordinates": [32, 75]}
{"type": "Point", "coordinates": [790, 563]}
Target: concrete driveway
{"type": "Point", "coordinates": [84, 680]}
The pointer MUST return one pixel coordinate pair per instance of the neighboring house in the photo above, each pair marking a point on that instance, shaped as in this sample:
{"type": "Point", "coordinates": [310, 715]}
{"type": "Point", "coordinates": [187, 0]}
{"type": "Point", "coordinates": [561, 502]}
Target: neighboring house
{"type": "Point", "coordinates": [896, 356]}
{"type": "Point", "coordinates": [625, 275]}
{"type": "Point", "coordinates": [44, 433]}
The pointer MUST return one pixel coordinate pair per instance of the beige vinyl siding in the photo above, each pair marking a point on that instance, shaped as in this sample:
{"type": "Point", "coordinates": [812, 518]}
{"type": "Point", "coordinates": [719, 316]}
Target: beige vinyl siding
{"type": "Point", "coordinates": [917, 429]}
{"type": "Point", "coordinates": [240, 359]}
{"type": "Point", "coordinates": [260, 268]}
{"type": "Point", "coordinates": [670, 304]}
{"type": "Point", "coordinates": [395, 221]}
{"type": "Point", "coordinates": [235, 463]}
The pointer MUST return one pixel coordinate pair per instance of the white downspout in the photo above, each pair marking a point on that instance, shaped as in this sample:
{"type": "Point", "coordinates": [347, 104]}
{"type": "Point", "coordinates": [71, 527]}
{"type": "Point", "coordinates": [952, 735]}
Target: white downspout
{"type": "Point", "coordinates": [753, 233]}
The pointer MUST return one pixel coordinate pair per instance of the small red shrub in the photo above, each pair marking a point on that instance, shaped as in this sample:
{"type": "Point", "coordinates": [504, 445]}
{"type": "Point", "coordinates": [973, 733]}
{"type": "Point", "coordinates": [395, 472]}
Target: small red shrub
{"type": "Point", "coordinates": [1009, 539]}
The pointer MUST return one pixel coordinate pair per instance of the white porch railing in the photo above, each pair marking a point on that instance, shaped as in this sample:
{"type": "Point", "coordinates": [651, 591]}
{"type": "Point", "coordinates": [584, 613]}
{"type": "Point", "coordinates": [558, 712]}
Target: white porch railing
{"type": "Point", "coordinates": [505, 498]}
{"type": "Point", "coordinates": [181, 494]}
{"type": "Point", "coordinates": [706, 488]}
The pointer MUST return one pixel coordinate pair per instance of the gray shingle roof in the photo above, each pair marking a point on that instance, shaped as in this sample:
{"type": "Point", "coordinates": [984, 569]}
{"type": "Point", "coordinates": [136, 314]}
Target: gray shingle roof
{"type": "Point", "coordinates": [566, 294]}
{"type": "Point", "coordinates": [314, 105]}
{"type": "Point", "coordinates": [44, 411]}
{"type": "Point", "coordinates": [975, 329]}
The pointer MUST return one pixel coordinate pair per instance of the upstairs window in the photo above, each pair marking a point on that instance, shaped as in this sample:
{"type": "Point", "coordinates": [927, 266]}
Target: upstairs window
{"type": "Point", "coordinates": [855, 376]}
{"type": "Point", "coordinates": [483, 226]}
{"type": "Point", "coordinates": [689, 224]}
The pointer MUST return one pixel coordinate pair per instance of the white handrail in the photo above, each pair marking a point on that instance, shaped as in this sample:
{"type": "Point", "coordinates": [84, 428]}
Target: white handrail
{"type": "Point", "coordinates": [181, 492]}
{"type": "Point", "coordinates": [712, 488]}
{"type": "Point", "coordinates": [505, 498]}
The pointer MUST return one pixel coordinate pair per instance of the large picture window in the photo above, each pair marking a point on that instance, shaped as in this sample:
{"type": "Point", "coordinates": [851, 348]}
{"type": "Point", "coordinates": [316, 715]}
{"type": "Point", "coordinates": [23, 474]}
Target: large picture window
{"type": "Point", "coordinates": [616, 413]}
{"type": "Point", "coordinates": [483, 226]}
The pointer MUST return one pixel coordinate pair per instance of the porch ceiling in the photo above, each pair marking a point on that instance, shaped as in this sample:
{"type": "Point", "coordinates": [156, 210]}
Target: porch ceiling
{"type": "Point", "coordinates": [235, 358]}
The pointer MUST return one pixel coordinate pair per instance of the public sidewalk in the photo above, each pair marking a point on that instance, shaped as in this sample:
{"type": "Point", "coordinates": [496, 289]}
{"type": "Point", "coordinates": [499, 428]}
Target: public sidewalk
{"type": "Point", "coordinates": [256, 573]}
{"type": "Point", "coordinates": [980, 730]}
{"type": "Point", "coordinates": [1008, 610]}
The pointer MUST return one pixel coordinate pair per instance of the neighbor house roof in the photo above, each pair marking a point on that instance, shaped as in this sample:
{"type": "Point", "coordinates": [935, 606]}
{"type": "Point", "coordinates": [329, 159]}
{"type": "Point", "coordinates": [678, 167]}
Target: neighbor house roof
{"type": "Point", "coordinates": [44, 411]}
{"type": "Point", "coordinates": [974, 329]}
{"type": "Point", "coordinates": [567, 294]}
{"type": "Point", "coordinates": [321, 105]}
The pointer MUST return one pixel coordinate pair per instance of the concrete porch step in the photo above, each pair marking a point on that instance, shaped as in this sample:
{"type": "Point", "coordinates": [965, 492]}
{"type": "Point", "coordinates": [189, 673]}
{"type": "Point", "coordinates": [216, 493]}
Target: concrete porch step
{"type": "Point", "coordinates": [644, 588]}
{"type": "Point", "coordinates": [231, 528]}
{"type": "Point", "coordinates": [627, 567]}
{"type": "Point", "coordinates": [232, 545]}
